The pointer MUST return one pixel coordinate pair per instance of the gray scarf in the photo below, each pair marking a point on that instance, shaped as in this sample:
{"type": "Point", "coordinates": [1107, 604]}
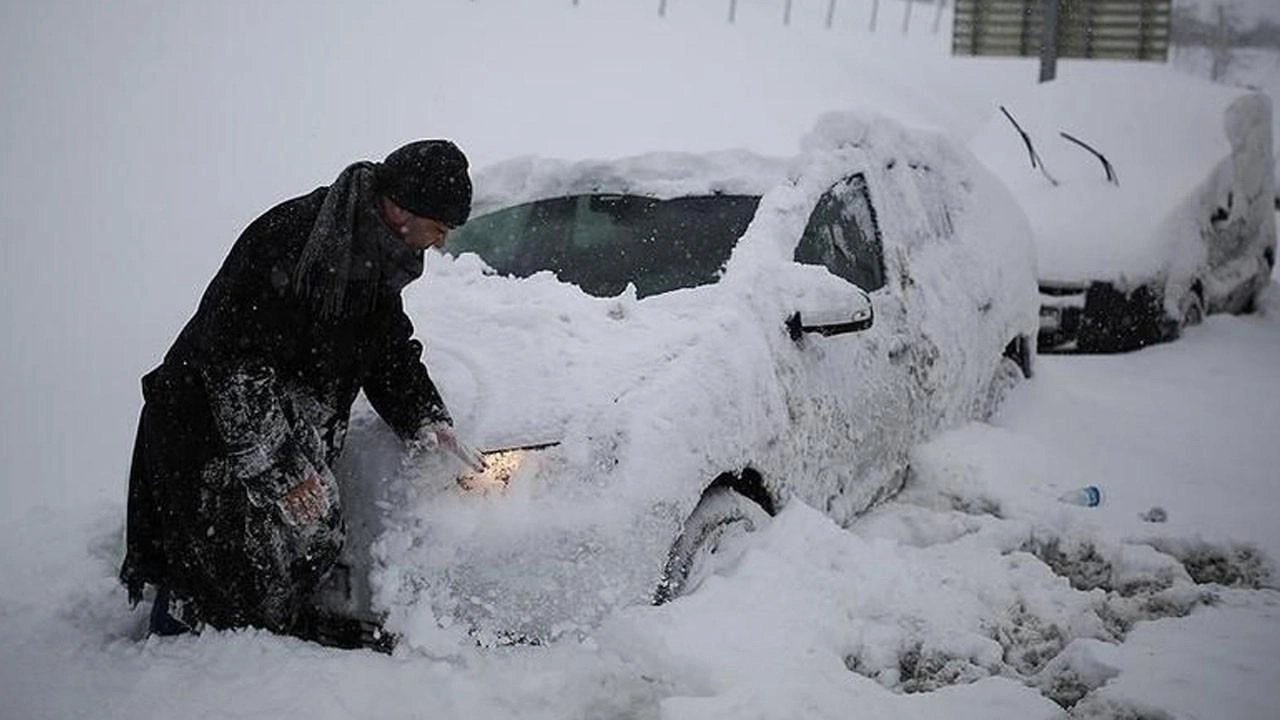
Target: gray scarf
{"type": "Point", "coordinates": [351, 258]}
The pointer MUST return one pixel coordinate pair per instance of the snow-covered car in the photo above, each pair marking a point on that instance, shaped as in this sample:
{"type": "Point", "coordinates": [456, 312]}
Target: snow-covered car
{"type": "Point", "coordinates": [1151, 195]}
{"type": "Point", "coordinates": [722, 334]}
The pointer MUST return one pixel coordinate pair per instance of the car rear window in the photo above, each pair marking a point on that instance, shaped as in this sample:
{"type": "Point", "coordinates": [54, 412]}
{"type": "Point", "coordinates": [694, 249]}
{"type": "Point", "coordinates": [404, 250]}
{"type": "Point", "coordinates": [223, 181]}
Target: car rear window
{"type": "Point", "coordinates": [601, 242]}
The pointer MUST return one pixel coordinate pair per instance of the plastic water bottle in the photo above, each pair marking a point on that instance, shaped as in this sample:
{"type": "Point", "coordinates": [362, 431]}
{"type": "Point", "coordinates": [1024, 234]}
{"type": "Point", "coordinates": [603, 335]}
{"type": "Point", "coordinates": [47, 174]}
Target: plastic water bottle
{"type": "Point", "coordinates": [1087, 496]}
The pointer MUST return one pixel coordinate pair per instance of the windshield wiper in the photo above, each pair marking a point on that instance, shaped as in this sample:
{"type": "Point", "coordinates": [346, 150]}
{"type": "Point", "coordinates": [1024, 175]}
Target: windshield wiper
{"type": "Point", "coordinates": [1106, 165]}
{"type": "Point", "coordinates": [1036, 162]}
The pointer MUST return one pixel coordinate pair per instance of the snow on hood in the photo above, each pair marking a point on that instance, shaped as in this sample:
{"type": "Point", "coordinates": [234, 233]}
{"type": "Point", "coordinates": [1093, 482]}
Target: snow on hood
{"type": "Point", "coordinates": [515, 369]}
{"type": "Point", "coordinates": [1173, 140]}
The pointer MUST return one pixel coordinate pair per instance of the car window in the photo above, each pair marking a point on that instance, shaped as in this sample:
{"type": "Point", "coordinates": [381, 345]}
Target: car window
{"type": "Point", "coordinates": [844, 236]}
{"type": "Point", "coordinates": [519, 240]}
{"type": "Point", "coordinates": [600, 242]}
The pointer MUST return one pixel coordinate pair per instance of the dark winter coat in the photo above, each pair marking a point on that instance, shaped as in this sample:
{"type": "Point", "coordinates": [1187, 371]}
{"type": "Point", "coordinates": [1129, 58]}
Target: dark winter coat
{"type": "Point", "coordinates": [253, 396]}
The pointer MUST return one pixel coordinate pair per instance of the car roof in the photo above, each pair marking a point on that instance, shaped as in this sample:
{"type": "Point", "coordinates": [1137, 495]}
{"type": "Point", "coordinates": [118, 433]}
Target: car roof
{"type": "Point", "coordinates": [660, 175]}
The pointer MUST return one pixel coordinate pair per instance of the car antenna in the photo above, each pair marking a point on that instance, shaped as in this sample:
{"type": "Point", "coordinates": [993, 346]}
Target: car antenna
{"type": "Point", "coordinates": [1036, 162]}
{"type": "Point", "coordinates": [1106, 164]}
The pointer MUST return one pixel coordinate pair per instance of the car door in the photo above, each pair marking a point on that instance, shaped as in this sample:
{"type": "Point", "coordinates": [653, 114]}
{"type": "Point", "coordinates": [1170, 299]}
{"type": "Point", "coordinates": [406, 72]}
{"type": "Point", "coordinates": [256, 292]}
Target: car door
{"type": "Point", "coordinates": [953, 332]}
{"type": "Point", "coordinates": [853, 395]}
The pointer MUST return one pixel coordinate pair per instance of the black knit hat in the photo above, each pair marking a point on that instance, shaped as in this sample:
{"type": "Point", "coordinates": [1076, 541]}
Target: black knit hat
{"type": "Point", "coordinates": [429, 179]}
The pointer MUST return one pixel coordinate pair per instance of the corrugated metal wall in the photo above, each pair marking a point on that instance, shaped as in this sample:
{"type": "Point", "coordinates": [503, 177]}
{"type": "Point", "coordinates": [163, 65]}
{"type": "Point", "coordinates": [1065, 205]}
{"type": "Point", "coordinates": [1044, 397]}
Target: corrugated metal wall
{"type": "Point", "coordinates": [1114, 29]}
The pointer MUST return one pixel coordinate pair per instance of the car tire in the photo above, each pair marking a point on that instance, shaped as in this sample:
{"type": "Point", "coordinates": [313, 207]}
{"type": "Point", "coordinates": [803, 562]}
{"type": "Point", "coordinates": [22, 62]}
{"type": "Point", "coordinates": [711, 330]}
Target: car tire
{"type": "Point", "coordinates": [1261, 283]}
{"type": "Point", "coordinates": [1007, 375]}
{"type": "Point", "coordinates": [1191, 309]}
{"type": "Point", "coordinates": [710, 540]}
{"type": "Point", "coordinates": [1013, 367]}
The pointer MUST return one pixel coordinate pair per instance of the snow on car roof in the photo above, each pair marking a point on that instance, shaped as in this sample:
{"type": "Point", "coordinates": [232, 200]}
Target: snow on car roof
{"type": "Point", "coordinates": [1166, 135]}
{"type": "Point", "coordinates": [661, 175]}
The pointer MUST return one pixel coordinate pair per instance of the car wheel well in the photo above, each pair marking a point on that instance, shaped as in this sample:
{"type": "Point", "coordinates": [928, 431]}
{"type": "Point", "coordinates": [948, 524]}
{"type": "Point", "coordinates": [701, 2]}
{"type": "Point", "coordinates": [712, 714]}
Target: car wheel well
{"type": "Point", "coordinates": [731, 503]}
{"type": "Point", "coordinates": [1192, 308]}
{"type": "Point", "coordinates": [1263, 281]}
{"type": "Point", "coordinates": [1019, 351]}
{"type": "Point", "coordinates": [747, 483]}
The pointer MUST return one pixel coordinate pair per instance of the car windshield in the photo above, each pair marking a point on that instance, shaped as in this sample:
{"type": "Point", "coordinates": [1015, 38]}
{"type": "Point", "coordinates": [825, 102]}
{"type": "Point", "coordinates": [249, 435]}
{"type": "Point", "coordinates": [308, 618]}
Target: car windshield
{"type": "Point", "coordinates": [602, 242]}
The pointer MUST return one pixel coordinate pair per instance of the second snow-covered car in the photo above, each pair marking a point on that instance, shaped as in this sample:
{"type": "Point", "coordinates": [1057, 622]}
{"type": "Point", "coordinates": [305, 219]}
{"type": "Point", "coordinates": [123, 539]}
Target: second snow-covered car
{"type": "Point", "coordinates": [675, 346]}
{"type": "Point", "coordinates": [1151, 195]}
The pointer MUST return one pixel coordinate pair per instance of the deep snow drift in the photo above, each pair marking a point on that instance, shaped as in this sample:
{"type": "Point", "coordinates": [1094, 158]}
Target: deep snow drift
{"type": "Point", "coordinates": [975, 594]}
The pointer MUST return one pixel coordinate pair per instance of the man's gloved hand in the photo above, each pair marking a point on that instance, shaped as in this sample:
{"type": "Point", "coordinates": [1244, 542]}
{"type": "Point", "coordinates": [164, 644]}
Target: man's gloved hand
{"type": "Point", "coordinates": [306, 502]}
{"type": "Point", "coordinates": [440, 436]}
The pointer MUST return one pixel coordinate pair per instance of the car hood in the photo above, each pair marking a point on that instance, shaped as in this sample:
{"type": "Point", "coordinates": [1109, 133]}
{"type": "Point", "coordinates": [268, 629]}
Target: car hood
{"type": "Point", "coordinates": [540, 352]}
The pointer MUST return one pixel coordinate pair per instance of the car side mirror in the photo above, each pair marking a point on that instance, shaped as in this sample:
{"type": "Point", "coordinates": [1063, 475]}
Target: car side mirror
{"type": "Point", "coordinates": [853, 313]}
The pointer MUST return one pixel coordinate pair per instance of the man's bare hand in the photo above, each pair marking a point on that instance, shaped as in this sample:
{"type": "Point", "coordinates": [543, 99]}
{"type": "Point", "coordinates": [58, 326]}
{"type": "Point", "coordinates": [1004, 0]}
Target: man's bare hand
{"type": "Point", "coordinates": [440, 436]}
{"type": "Point", "coordinates": [464, 452]}
{"type": "Point", "coordinates": [306, 502]}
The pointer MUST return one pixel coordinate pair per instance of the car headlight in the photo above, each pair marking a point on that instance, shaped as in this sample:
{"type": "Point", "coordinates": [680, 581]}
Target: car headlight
{"type": "Point", "coordinates": [500, 465]}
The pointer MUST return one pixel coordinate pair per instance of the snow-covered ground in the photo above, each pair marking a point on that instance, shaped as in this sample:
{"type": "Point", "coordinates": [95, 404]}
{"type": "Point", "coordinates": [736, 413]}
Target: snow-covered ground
{"type": "Point", "coordinates": [139, 138]}
{"type": "Point", "coordinates": [974, 594]}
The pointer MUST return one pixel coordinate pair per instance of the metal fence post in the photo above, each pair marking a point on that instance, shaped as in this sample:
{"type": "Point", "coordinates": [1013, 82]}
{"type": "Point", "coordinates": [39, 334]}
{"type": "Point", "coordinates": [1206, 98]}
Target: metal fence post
{"type": "Point", "coordinates": [1049, 42]}
{"type": "Point", "coordinates": [1221, 52]}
